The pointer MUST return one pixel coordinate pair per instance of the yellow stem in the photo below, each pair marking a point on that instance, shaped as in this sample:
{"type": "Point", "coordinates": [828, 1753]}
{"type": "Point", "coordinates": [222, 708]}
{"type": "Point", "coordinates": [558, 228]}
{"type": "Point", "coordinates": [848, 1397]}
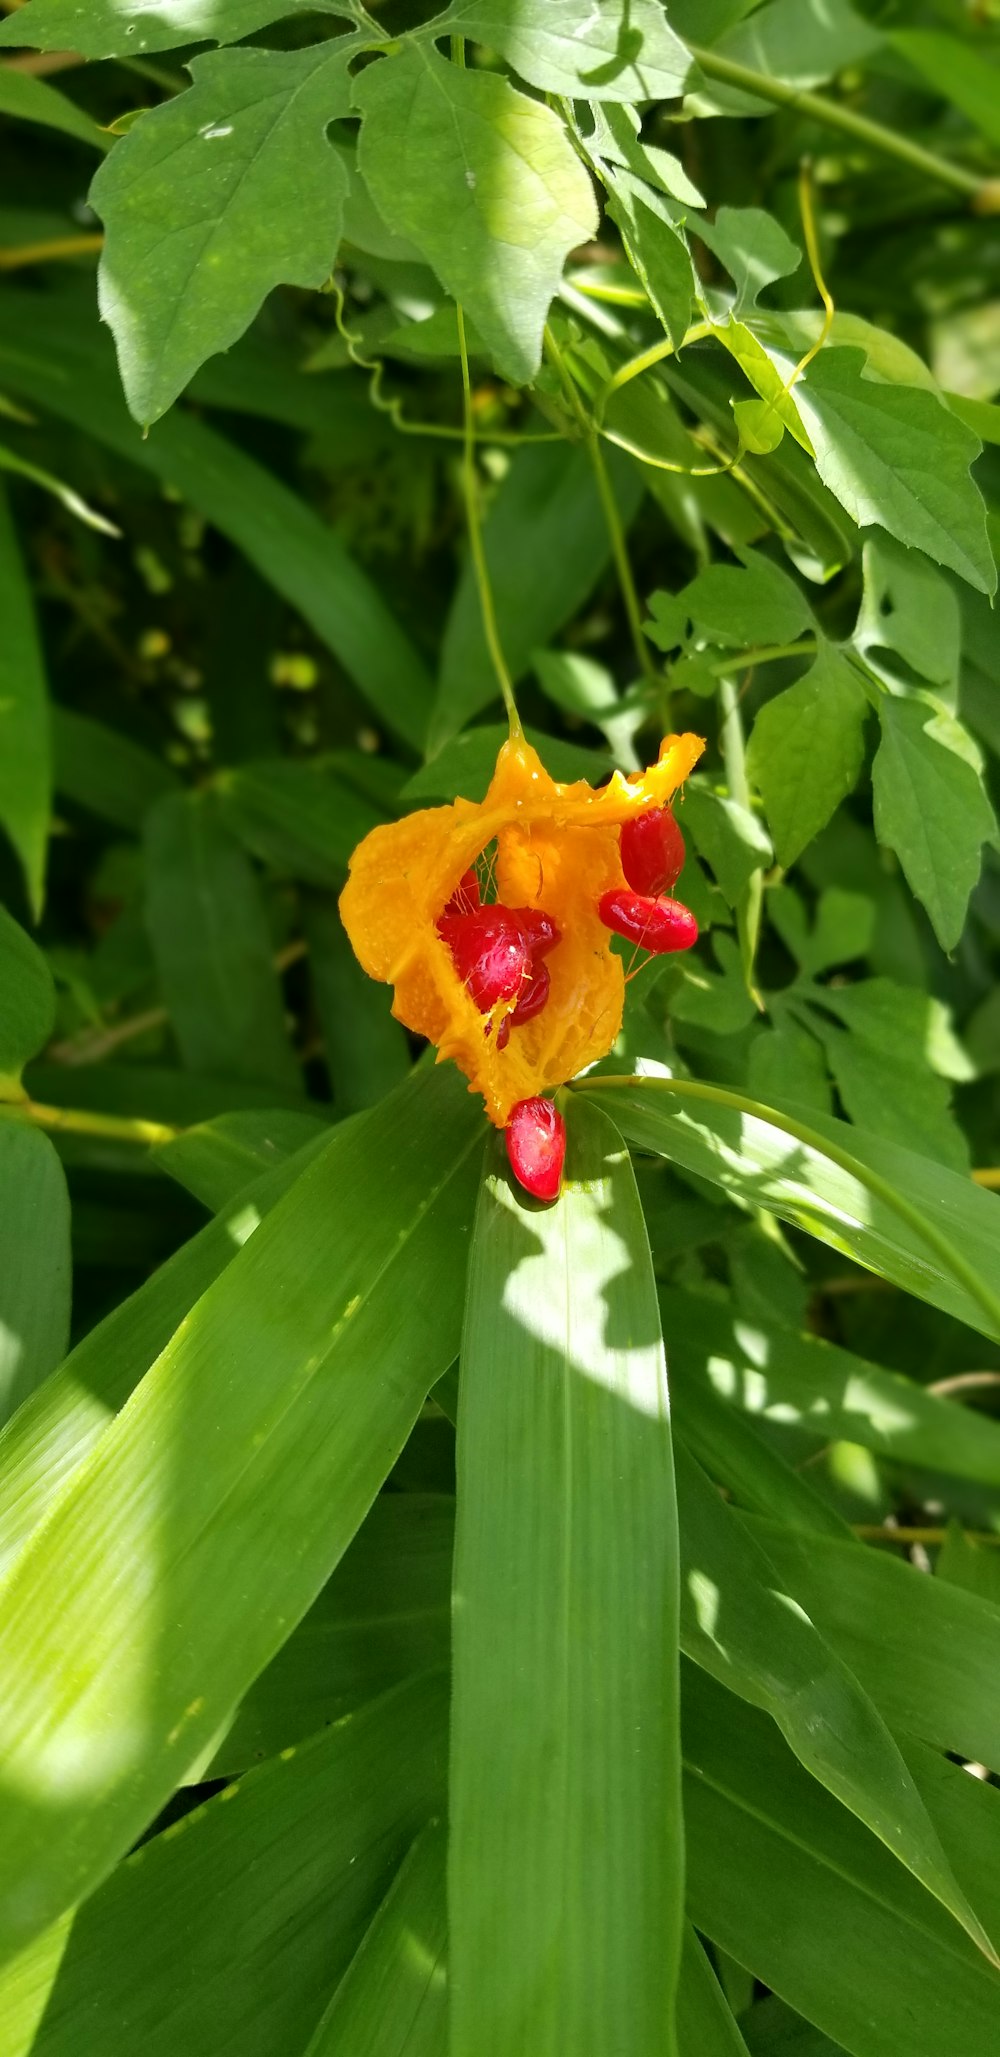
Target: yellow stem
{"type": "Point", "coordinates": [14, 256]}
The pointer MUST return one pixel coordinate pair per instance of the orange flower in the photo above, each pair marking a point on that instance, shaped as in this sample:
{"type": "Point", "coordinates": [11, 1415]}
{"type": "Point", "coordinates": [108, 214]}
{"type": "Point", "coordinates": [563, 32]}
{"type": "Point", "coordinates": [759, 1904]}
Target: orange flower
{"type": "Point", "coordinates": [556, 849]}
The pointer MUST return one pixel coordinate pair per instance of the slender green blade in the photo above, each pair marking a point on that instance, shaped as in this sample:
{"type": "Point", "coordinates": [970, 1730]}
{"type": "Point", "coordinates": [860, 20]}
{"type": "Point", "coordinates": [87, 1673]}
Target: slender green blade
{"type": "Point", "coordinates": [27, 1004]}
{"type": "Point", "coordinates": [35, 1268]}
{"type": "Point", "coordinates": [934, 1234]}
{"type": "Point", "coordinates": [26, 98]}
{"type": "Point", "coordinates": [25, 748]}
{"type": "Point", "coordinates": [566, 1860]}
{"type": "Point", "coordinates": [226, 1931]}
{"type": "Point", "coordinates": [791, 1886]}
{"type": "Point", "coordinates": [194, 1537]}
{"type": "Point", "coordinates": [705, 2026]}
{"type": "Point", "coordinates": [393, 1998]}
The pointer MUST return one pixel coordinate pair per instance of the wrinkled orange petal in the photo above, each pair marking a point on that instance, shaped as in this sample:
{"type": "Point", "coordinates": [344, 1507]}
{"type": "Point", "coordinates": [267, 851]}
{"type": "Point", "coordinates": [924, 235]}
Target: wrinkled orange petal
{"type": "Point", "coordinates": [557, 848]}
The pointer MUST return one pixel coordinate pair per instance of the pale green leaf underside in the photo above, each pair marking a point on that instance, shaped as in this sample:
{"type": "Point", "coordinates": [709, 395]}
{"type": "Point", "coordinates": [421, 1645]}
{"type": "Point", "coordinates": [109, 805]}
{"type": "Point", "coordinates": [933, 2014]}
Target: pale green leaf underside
{"type": "Point", "coordinates": [602, 51]}
{"type": "Point", "coordinates": [210, 201]}
{"type": "Point", "coordinates": [108, 28]}
{"type": "Point", "coordinates": [484, 181]}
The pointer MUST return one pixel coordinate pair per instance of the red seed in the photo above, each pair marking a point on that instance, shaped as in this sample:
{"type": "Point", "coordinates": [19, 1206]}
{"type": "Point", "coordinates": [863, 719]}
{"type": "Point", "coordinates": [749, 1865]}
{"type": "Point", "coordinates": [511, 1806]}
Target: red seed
{"type": "Point", "coordinates": [656, 925]}
{"type": "Point", "coordinates": [536, 1147]}
{"type": "Point", "coordinates": [489, 952]}
{"type": "Point", "coordinates": [652, 850]}
{"type": "Point", "coordinates": [534, 994]}
{"type": "Point", "coordinates": [465, 898]}
{"type": "Point", "coordinates": [541, 933]}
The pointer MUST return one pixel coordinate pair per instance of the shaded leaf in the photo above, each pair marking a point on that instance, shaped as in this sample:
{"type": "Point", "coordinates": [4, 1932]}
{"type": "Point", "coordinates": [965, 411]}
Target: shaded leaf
{"type": "Point", "coordinates": [392, 2000]}
{"type": "Point", "coordinates": [908, 608]}
{"type": "Point", "coordinates": [25, 762]}
{"type": "Point", "coordinates": [564, 1719]}
{"type": "Point", "coordinates": [105, 771]}
{"type": "Point", "coordinates": [26, 98]}
{"type": "Point", "coordinates": [35, 1269]}
{"type": "Point", "coordinates": [302, 819]}
{"type": "Point", "coordinates": [216, 1160]}
{"type": "Point", "coordinates": [961, 72]}
{"type": "Point", "coordinates": [931, 808]}
{"type": "Point", "coordinates": [728, 836]}
{"type": "Point", "coordinates": [484, 182]}
{"type": "Point", "coordinates": [806, 750]}
{"type": "Point", "coordinates": [366, 1050]}
{"type": "Point", "coordinates": [27, 1004]}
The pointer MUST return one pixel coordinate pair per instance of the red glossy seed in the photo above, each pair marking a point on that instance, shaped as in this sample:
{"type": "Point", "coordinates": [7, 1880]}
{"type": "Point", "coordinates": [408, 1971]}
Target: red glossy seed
{"type": "Point", "coordinates": [541, 933]}
{"type": "Point", "coordinates": [536, 1147]}
{"type": "Point", "coordinates": [465, 898]}
{"type": "Point", "coordinates": [652, 850]}
{"type": "Point", "coordinates": [534, 994]}
{"type": "Point", "coordinates": [656, 925]}
{"type": "Point", "coordinates": [489, 953]}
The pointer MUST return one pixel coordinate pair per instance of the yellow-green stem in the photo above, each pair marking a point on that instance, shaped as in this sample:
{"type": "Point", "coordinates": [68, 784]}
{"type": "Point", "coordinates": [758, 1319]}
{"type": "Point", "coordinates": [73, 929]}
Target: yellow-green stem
{"type": "Point", "coordinates": [471, 483]}
{"type": "Point", "coordinates": [81, 1121]}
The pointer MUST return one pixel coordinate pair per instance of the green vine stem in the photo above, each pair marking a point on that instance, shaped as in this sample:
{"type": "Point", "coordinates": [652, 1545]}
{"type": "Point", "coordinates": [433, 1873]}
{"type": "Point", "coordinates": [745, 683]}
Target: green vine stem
{"type": "Point", "coordinates": [983, 194]}
{"type": "Point", "coordinates": [721, 1096]}
{"type": "Point", "coordinates": [473, 518]}
{"type": "Point", "coordinates": [81, 1121]}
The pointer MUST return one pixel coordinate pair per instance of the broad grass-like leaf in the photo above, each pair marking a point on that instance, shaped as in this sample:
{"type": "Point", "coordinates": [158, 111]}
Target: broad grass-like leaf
{"type": "Point", "coordinates": [546, 543]}
{"type": "Point", "coordinates": [108, 28]}
{"type": "Point", "coordinates": [27, 1004]}
{"type": "Point", "coordinates": [218, 1159]}
{"type": "Point", "coordinates": [486, 184]}
{"type": "Point", "coordinates": [734, 1454]}
{"type": "Point", "coordinates": [564, 1732]}
{"type": "Point", "coordinates": [705, 2026]}
{"type": "Point", "coordinates": [900, 1215]}
{"type": "Point", "coordinates": [392, 2000]}
{"type": "Point", "coordinates": [924, 1650]}
{"type": "Point", "coordinates": [184, 1550]}
{"type": "Point", "coordinates": [57, 357]}
{"type": "Point", "coordinates": [212, 199]}
{"type": "Point", "coordinates": [35, 1270]}
{"type": "Point", "coordinates": [214, 954]}
{"type": "Point", "coordinates": [967, 76]}
{"type": "Point", "coordinates": [106, 772]}
{"type": "Point", "coordinates": [775, 1375]}
{"type": "Point", "coordinates": [25, 749]}
{"type": "Point", "coordinates": [737, 1623]}
{"type": "Point", "coordinates": [613, 52]}
{"type": "Point", "coordinates": [786, 1882]}
{"type": "Point", "coordinates": [229, 1930]}
{"type": "Point", "coordinates": [366, 1050]}
{"type": "Point", "coordinates": [301, 819]}
{"type": "Point", "coordinates": [931, 808]}
{"type": "Point", "coordinates": [57, 1427]}
{"type": "Point", "coordinates": [384, 1615]}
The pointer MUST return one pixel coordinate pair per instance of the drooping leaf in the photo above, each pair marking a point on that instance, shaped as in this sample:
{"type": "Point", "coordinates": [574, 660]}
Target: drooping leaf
{"type": "Point", "coordinates": [939, 1243]}
{"type": "Point", "coordinates": [107, 28]}
{"type": "Point", "coordinates": [233, 1927]}
{"type": "Point", "coordinates": [61, 360]}
{"type": "Point", "coordinates": [27, 1004]}
{"type": "Point", "coordinates": [226, 1493]}
{"type": "Point", "coordinates": [35, 1273]}
{"type": "Point", "coordinates": [611, 53]}
{"type": "Point", "coordinates": [392, 2000]}
{"type": "Point", "coordinates": [486, 184]}
{"type": "Point", "coordinates": [931, 808]}
{"type": "Point", "coordinates": [26, 98]}
{"type": "Point", "coordinates": [213, 949]}
{"type": "Point", "coordinates": [806, 750]}
{"type": "Point", "coordinates": [896, 458]}
{"type": "Point", "coordinates": [563, 1731]}
{"type": "Point", "coordinates": [784, 1881]}
{"type": "Point", "coordinates": [212, 199]}
{"type": "Point", "coordinates": [546, 542]}
{"type": "Point", "coordinates": [25, 751]}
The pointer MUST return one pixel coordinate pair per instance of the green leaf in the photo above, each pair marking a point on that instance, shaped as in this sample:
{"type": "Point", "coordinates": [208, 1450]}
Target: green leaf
{"type": "Point", "coordinates": [27, 1004]}
{"type": "Point", "coordinates": [843, 927]}
{"type": "Point", "coordinates": [212, 199]}
{"type": "Point", "coordinates": [787, 1064]}
{"type": "Point", "coordinates": [214, 954]}
{"type": "Point", "coordinates": [392, 2000]}
{"type": "Point", "coordinates": [931, 808]}
{"type": "Point", "coordinates": [194, 1537]}
{"type": "Point", "coordinates": [383, 1616]}
{"type": "Point", "coordinates": [583, 688]}
{"type": "Point", "coordinates": [300, 818]}
{"type": "Point", "coordinates": [26, 98]}
{"type": "Point", "coordinates": [803, 42]}
{"type": "Point", "coordinates": [784, 1881]}
{"type": "Point", "coordinates": [754, 248]}
{"type": "Point", "coordinates": [613, 52]}
{"type": "Point", "coordinates": [728, 836]}
{"type": "Point", "coordinates": [936, 1237]}
{"type": "Point", "coordinates": [806, 750]}
{"type": "Point", "coordinates": [486, 184]}
{"type": "Point", "coordinates": [726, 1445]}
{"type": "Point", "coordinates": [61, 361]}
{"type": "Point", "coordinates": [25, 767]}
{"type": "Point", "coordinates": [704, 2022]}
{"type": "Point", "coordinates": [564, 1733]}
{"type": "Point", "coordinates": [105, 771]}
{"type": "Point", "coordinates": [895, 457]}
{"type": "Point", "coordinates": [961, 72]}
{"type": "Point", "coordinates": [108, 28]}
{"type": "Point", "coordinates": [366, 1050]}
{"type": "Point", "coordinates": [748, 604]}
{"type": "Point", "coordinates": [660, 257]}
{"type": "Point", "coordinates": [232, 1926]}
{"type": "Point", "coordinates": [216, 1160]}
{"type": "Point", "coordinates": [547, 542]}
{"type": "Point", "coordinates": [885, 1087]}
{"type": "Point", "coordinates": [910, 609]}
{"type": "Point", "coordinates": [35, 1269]}
{"type": "Point", "coordinates": [737, 1624]}
{"type": "Point", "coordinates": [55, 1430]}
